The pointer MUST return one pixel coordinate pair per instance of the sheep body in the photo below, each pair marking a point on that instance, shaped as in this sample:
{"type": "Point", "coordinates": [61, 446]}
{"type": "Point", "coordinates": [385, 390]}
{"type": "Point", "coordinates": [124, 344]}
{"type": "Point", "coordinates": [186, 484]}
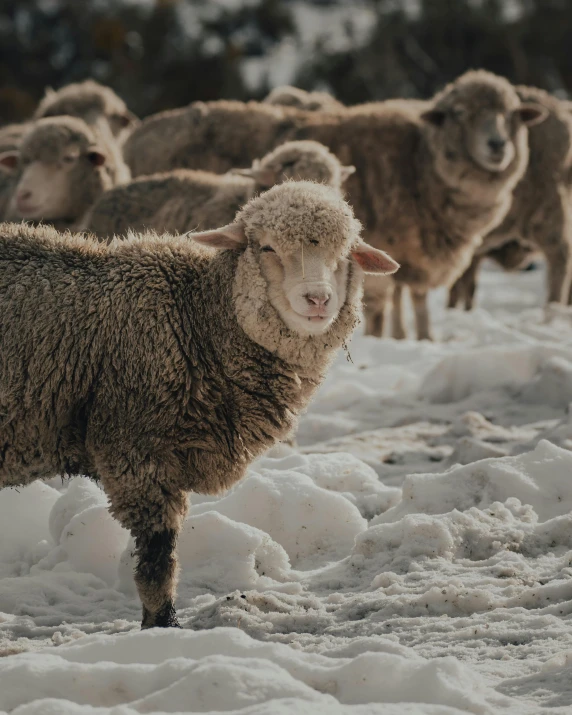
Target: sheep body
{"type": "Point", "coordinates": [541, 208]}
{"type": "Point", "coordinates": [426, 203]}
{"type": "Point", "coordinates": [184, 200]}
{"type": "Point", "coordinates": [158, 366]}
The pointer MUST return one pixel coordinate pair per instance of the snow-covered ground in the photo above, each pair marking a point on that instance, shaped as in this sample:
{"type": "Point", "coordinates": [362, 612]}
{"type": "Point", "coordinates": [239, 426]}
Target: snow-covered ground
{"type": "Point", "coordinates": [413, 555]}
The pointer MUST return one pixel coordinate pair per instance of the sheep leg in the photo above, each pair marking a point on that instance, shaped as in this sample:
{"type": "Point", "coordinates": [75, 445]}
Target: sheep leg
{"type": "Point", "coordinates": [397, 325]}
{"type": "Point", "coordinates": [146, 503]}
{"type": "Point", "coordinates": [464, 288]}
{"type": "Point", "coordinates": [559, 260]}
{"type": "Point", "coordinates": [155, 576]}
{"type": "Point", "coordinates": [374, 319]}
{"type": "Point", "coordinates": [421, 315]}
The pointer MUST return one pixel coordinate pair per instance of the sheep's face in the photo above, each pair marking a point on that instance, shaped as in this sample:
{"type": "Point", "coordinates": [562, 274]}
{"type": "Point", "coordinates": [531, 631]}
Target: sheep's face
{"type": "Point", "coordinates": [482, 123]}
{"type": "Point", "coordinates": [50, 169]}
{"type": "Point", "coordinates": [301, 253]}
{"type": "Point", "coordinates": [300, 161]}
{"type": "Point", "coordinates": [307, 286]}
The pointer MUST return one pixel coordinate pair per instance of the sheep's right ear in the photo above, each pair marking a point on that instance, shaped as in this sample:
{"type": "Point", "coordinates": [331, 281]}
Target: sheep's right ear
{"type": "Point", "coordinates": [229, 237]}
{"type": "Point", "coordinates": [346, 172]}
{"type": "Point", "coordinates": [9, 161]}
{"type": "Point", "coordinates": [434, 116]}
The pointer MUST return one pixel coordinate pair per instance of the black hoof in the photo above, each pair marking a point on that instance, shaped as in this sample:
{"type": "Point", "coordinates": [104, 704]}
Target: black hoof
{"type": "Point", "coordinates": [166, 617]}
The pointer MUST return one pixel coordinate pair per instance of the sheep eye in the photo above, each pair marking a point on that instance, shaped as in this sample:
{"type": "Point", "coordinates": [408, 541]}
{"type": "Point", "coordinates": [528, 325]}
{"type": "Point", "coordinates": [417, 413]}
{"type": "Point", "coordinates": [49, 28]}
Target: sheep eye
{"type": "Point", "coordinates": [267, 249]}
{"type": "Point", "coordinates": [69, 159]}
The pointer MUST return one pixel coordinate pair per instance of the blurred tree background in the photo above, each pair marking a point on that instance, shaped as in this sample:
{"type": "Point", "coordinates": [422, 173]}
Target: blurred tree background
{"type": "Point", "coordinates": [165, 53]}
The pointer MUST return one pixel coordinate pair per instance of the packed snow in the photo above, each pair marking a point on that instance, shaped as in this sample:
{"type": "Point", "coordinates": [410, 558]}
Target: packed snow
{"type": "Point", "coordinates": [411, 555]}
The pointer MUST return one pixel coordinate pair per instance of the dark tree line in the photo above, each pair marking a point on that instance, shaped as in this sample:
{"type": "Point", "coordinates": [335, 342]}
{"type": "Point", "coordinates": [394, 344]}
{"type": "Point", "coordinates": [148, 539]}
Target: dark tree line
{"type": "Point", "coordinates": [164, 53]}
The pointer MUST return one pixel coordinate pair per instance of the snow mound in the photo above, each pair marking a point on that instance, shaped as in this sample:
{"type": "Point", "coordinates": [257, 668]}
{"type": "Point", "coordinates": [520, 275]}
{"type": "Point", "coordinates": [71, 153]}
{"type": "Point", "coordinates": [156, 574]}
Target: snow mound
{"type": "Point", "coordinates": [224, 669]}
{"type": "Point", "coordinates": [540, 478]}
{"type": "Point", "coordinates": [313, 525]}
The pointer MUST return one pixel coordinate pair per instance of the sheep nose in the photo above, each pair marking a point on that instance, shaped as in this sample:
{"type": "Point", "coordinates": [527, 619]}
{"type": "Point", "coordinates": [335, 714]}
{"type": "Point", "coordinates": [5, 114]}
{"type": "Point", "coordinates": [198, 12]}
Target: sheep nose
{"type": "Point", "coordinates": [318, 299]}
{"type": "Point", "coordinates": [497, 145]}
{"type": "Point", "coordinates": [23, 195]}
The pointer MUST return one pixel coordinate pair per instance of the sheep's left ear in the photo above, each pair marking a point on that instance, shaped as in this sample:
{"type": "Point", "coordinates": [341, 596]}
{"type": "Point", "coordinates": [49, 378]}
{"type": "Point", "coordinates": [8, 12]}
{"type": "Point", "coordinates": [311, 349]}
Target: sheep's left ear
{"type": "Point", "coordinates": [229, 237]}
{"type": "Point", "coordinates": [531, 114]}
{"type": "Point", "coordinates": [346, 172]}
{"type": "Point", "coordinates": [264, 177]}
{"type": "Point", "coordinates": [372, 260]}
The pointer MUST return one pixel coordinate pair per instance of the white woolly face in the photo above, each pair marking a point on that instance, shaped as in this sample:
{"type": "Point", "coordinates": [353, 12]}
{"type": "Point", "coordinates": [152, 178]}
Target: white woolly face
{"type": "Point", "coordinates": [490, 141]}
{"type": "Point", "coordinates": [307, 288]}
{"type": "Point", "coordinates": [45, 189]}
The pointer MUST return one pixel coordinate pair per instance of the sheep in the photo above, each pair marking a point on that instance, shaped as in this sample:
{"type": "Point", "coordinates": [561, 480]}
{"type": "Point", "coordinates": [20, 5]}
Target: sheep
{"type": "Point", "coordinates": [58, 172]}
{"type": "Point", "coordinates": [101, 109]}
{"type": "Point", "coordinates": [429, 184]}
{"type": "Point", "coordinates": [10, 138]}
{"type": "Point", "coordinates": [287, 96]}
{"type": "Point", "coordinates": [515, 255]}
{"type": "Point", "coordinates": [159, 367]}
{"type": "Point", "coordinates": [89, 101]}
{"type": "Point", "coordinates": [540, 212]}
{"type": "Point", "coordinates": [184, 199]}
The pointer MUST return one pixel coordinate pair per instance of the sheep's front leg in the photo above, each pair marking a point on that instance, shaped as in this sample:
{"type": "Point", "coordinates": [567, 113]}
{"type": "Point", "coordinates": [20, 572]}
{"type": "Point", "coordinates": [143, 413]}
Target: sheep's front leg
{"type": "Point", "coordinates": [156, 577]}
{"type": "Point", "coordinates": [154, 514]}
{"type": "Point", "coordinates": [421, 315]}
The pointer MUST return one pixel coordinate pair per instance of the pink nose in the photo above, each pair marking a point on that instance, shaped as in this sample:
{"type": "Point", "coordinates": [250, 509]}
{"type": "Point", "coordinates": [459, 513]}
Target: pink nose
{"type": "Point", "coordinates": [317, 299]}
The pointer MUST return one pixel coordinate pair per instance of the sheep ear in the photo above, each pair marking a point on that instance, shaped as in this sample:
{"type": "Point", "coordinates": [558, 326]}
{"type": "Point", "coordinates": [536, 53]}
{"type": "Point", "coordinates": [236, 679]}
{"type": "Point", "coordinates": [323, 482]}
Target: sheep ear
{"type": "Point", "coordinates": [229, 237]}
{"type": "Point", "coordinates": [127, 119]}
{"type": "Point", "coordinates": [434, 116]}
{"type": "Point", "coordinates": [531, 114]}
{"type": "Point", "coordinates": [264, 177]}
{"type": "Point", "coordinates": [372, 260]}
{"type": "Point", "coordinates": [97, 158]}
{"type": "Point", "coordinates": [346, 172]}
{"type": "Point", "coordinates": [9, 160]}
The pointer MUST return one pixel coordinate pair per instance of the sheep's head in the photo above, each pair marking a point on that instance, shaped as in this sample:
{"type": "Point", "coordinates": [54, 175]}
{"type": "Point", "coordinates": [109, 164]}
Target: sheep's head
{"type": "Point", "coordinates": [89, 101]}
{"type": "Point", "coordinates": [301, 254]}
{"type": "Point", "coordinates": [480, 117]}
{"type": "Point", "coordinates": [59, 170]}
{"type": "Point", "coordinates": [300, 160]}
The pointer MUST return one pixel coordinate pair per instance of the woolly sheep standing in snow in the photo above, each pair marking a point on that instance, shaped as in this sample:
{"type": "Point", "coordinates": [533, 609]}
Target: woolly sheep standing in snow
{"type": "Point", "coordinates": [186, 200]}
{"type": "Point", "coordinates": [89, 101]}
{"type": "Point", "coordinates": [541, 209]}
{"type": "Point", "coordinates": [101, 109]}
{"type": "Point", "coordinates": [514, 255]}
{"type": "Point", "coordinates": [428, 185]}
{"type": "Point", "coordinates": [58, 172]}
{"type": "Point", "coordinates": [287, 96]}
{"type": "Point", "coordinates": [159, 367]}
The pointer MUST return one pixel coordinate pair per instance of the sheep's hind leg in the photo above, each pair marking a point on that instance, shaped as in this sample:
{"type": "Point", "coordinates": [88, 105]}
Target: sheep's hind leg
{"type": "Point", "coordinates": [397, 324]}
{"type": "Point", "coordinates": [421, 315]}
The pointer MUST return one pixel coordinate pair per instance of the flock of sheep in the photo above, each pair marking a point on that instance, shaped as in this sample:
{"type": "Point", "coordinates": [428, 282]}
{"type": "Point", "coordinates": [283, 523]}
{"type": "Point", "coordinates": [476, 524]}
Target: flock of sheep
{"type": "Point", "coordinates": [203, 266]}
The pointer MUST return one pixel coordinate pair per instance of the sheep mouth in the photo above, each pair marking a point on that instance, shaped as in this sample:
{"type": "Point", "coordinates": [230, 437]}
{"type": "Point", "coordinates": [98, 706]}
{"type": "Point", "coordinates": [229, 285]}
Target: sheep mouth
{"type": "Point", "coordinates": [29, 210]}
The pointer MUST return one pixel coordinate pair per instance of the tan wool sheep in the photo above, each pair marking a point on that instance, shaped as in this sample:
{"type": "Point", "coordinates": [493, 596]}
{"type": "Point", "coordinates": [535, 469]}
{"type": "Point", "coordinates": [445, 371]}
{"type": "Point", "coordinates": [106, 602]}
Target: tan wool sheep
{"type": "Point", "coordinates": [287, 96]}
{"type": "Point", "coordinates": [58, 172]}
{"type": "Point", "coordinates": [428, 185]}
{"type": "Point", "coordinates": [161, 367]}
{"type": "Point", "coordinates": [10, 138]}
{"type": "Point", "coordinates": [89, 101]}
{"type": "Point", "coordinates": [185, 200]}
{"type": "Point", "coordinates": [541, 209]}
{"type": "Point", "coordinates": [515, 255]}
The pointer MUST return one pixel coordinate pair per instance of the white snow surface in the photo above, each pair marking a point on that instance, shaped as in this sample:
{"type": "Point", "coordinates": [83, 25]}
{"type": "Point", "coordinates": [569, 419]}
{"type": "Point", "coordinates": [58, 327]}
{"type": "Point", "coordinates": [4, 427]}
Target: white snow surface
{"type": "Point", "coordinates": [412, 555]}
